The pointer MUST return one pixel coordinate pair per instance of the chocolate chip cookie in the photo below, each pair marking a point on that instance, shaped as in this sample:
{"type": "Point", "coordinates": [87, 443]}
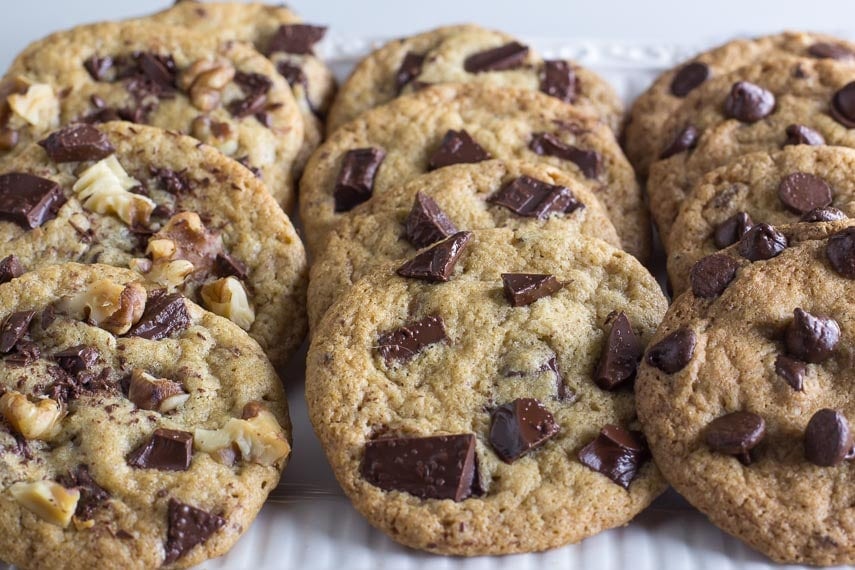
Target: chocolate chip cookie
{"type": "Point", "coordinates": [745, 391]}
{"type": "Point", "coordinates": [223, 93]}
{"type": "Point", "coordinates": [502, 359]}
{"type": "Point", "coordinates": [181, 214]}
{"type": "Point", "coordinates": [414, 134]}
{"type": "Point", "coordinates": [137, 428]}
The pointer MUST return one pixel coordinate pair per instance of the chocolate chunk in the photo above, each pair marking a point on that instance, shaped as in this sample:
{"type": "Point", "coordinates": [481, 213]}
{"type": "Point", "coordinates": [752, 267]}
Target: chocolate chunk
{"type": "Point", "coordinates": [77, 358]}
{"type": "Point", "coordinates": [436, 263]}
{"type": "Point", "coordinates": [828, 438]}
{"type": "Point", "coordinates": [688, 78]}
{"type": "Point", "coordinates": [355, 182]}
{"type": "Point", "coordinates": [841, 252]}
{"type": "Point", "coordinates": [298, 39]}
{"type": "Point", "coordinates": [748, 102]}
{"type": "Point", "coordinates": [800, 134]}
{"type": "Point", "coordinates": [159, 69]}
{"type": "Point", "coordinates": [92, 495]}
{"type": "Point", "coordinates": [736, 434]}
{"type": "Point", "coordinates": [562, 392]}
{"type": "Point", "coordinates": [28, 200]}
{"type": "Point", "coordinates": [828, 50]}
{"type": "Point", "coordinates": [843, 105]}
{"type": "Point", "coordinates": [436, 467]}
{"type": "Point", "coordinates": [98, 67]}
{"type": "Point", "coordinates": [164, 315]}
{"type": "Point", "coordinates": [457, 147]}
{"type": "Point", "coordinates": [167, 450]}
{"type": "Point", "coordinates": [76, 144]}
{"type": "Point", "coordinates": [172, 181]}
{"type": "Point", "coordinates": [508, 56]}
{"type": "Point", "coordinates": [293, 74]}
{"type": "Point", "coordinates": [531, 198]}
{"type": "Point", "coordinates": [427, 223]}
{"type": "Point", "coordinates": [711, 275]}
{"type": "Point", "coordinates": [732, 229]}
{"type": "Point", "coordinates": [673, 353]}
{"type": "Point", "coordinates": [14, 328]}
{"type": "Point", "coordinates": [762, 242]}
{"type": "Point", "coordinates": [523, 289]}
{"type": "Point", "coordinates": [188, 527]}
{"type": "Point", "coordinates": [406, 342]}
{"type": "Point", "coordinates": [559, 80]}
{"type": "Point", "coordinates": [411, 67]}
{"type": "Point", "coordinates": [255, 87]}
{"type": "Point", "coordinates": [547, 144]}
{"type": "Point", "coordinates": [827, 214]}
{"type": "Point", "coordinates": [10, 268]}
{"type": "Point", "coordinates": [686, 139]}
{"type": "Point", "coordinates": [617, 453]}
{"type": "Point", "coordinates": [801, 192]}
{"type": "Point", "coordinates": [791, 370]}
{"type": "Point", "coordinates": [620, 355]}
{"type": "Point", "coordinates": [226, 265]}
{"type": "Point", "coordinates": [520, 426]}
{"type": "Point", "coordinates": [811, 338]}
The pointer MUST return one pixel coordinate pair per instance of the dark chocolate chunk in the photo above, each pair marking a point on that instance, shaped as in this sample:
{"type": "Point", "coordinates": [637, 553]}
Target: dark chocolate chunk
{"type": "Point", "coordinates": [547, 144]}
{"type": "Point", "coordinates": [761, 242]}
{"type": "Point", "coordinates": [686, 139]}
{"type": "Point", "coordinates": [523, 289]}
{"type": "Point", "coordinates": [410, 68]}
{"type": "Point", "coordinates": [188, 527]}
{"type": "Point", "coordinates": [827, 214]}
{"type": "Point", "coordinates": [226, 265]}
{"type": "Point", "coordinates": [92, 495]}
{"type": "Point", "coordinates": [620, 355]}
{"type": "Point", "coordinates": [520, 426]}
{"type": "Point", "coordinates": [355, 182]}
{"type": "Point", "coordinates": [711, 275]}
{"type": "Point", "coordinates": [164, 315]}
{"type": "Point", "coordinates": [736, 434]}
{"type": "Point", "coordinates": [28, 200]}
{"type": "Point", "coordinates": [748, 102]}
{"type": "Point", "coordinates": [167, 450]}
{"type": "Point", "coordinates": [841, 252]}
{"type": "Point", "coordinates": [98, 67]}
{"type": "Point", "coordinates": [293, 74]}
{"type": "Point", "coordinates": [174, 182]}
{"type": "Point", "coordinates": [617, 453]}
{"type": "Point", "coordinates": [457, 147]}
{"type": "Point", "coordinates": [673, 353]}
{"type": "Point", "coordinates": [828, 50]}
{"type": "Point", "coordinates": [427, 223]}
{"type": "Point", "coordinates": [10, 268]}
{"type": "Point", "coordinates": [801, 192]}
{"type": "Point", "coordinates": [435, 467]}
{"type": "Point", "coordinates": [843, 105]}
{"type": "Point", "coordinates": [732, 229]}
{"type": "Point", "coordinates": [76, 144]}
{"type": "Point", "coordinates": [559, 80]}
{"type": "Point", "coordinates": [77, 358]}
{"type": "Point", "coordinates": [508, 56]}
{"type": "Point", "coordinates": [791, 370]}
{"type": "Point", "coordinates": [255, 87]}
{"type": "Point", "coordinates": [298, 39]}
{"type": "Point", "coordinates": [688, 78]}
{"type": "Point", "coordinates": [811, 338]}
{"type": "Point", "coordinates": [14, 328]}
{"type": "Point", "coordinates": [406, 342]}
{"type": "Point", "coordinates": [24, 353]}
{"type": "Point", "coordinates": [159, 69]}
{"type": "Point", "coordinates": [562, 392]}
{"type": "Point", "coordinates": [437, 263]}
{"type": "Point", "coordinates": [800, 134]}
{"type": "Point", "coordinates": [828, 438]}
{"type": "Point", "coordinates": [531, 198]}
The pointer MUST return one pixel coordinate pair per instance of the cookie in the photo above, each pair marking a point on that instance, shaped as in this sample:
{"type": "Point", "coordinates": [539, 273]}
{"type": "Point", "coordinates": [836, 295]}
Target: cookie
{"type": "Point", "coordinates": [431, 207]}
{"type": "Point", "coordinates": [483, 358]}
{"type": "Point", "coordinates": [468, 54]}
{"type": "Point", "coordinates": [223, 93]}
{"type": "Point", "coordinates": [416, 133]}
{"type": "Point", "coordinates": [137, 427]}
{"type": "Point", "coordinates": [744, 392]}
{"type": "Point", "coordinates": [643, 132]}
{"type": "Point", "coordinates": [815, 183]}
{"type": "Point", "coordinates": [181, 214]}
{"type": "Point", "coordinates": [278, 33]}
{"type": "Point", "coordinates": [758, 108]}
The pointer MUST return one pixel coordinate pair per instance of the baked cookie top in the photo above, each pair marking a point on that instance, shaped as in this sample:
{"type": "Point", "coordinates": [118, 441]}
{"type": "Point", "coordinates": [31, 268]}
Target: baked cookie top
{"type": "Point", "coordinates": [745, 391]}
{"type": "Point", "coordinates": [392, 144]}
{"type": "Point", "coordinates": [493, 379]}
{"type": "Point", "coordinates": [643, 138]}
{"type": "Point", "coordinates": [434, 206]}
{"type": "Point", "coordinates": [181, 214]}
{"type": "Point", "coordinates": [137, 428]}
{"type": "Point", "coordinates": [468, 54]}
{"type": "Point", "coordinates": [224, 93]}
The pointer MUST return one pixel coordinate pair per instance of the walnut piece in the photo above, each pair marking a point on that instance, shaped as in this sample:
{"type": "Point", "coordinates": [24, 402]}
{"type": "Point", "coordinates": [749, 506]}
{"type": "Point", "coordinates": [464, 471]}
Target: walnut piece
{"type": "Point", "coordinates": [108, 305]}
{"type": "Point", "coordinates": [227, 297]}
{"type": "Point", "coordinates": [169, 274]}
{"type": "Point", "coordinates": [103, 188]}
{"type": "Point", "coordinates": [257, 439]}
{"type": "Point", "coordinates": [160, 394]}
{"type": "Point", "coordinates": [205, 80]}
{"type": "Point", "coordinates": [49, 501]}
{"type": "Point", "coordinates": [37, 106]}
{"type": "Point", "coordinates": [33, 420]}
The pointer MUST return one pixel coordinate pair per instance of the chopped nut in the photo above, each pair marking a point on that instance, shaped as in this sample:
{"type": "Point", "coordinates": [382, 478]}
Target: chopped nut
{"type": "Point", "coordinates": [259, 439]}
{"type": "Point", "coordinates": [170, 274]}
{"type": "Point", "coordinates": [140, 264]}
{"type": "Point", "coordinates": [205, 80]}
{"type": "Point", "coordinates": [39, 420]}
{"type": "Point", "coordinates": [150, 393]}
{"type": "Point", "coordinates": [81, 524]}
{"type": "Point", "coordinates": [48, 500]}
{"type": "Point", "coordinates": [185, 237]}
{"type": "Point", "coordinates": [109, 305]}
{"type": "Point", "coordinates": [8, 139]}
{"type": "Point", "coordinates": [38, 106]}
{"type": "Point", "coordinates": [103, 188]}
{"type": "Point", "coordinates": [227, 297]}
{"type": "Point", "coordinates": [161, 249]}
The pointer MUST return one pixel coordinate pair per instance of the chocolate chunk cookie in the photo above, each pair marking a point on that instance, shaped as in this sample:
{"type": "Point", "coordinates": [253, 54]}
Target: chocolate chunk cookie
{"type": "Point", "coordinates": [136, 427]}
{"type": "Point", "coordinates": [503, 359]}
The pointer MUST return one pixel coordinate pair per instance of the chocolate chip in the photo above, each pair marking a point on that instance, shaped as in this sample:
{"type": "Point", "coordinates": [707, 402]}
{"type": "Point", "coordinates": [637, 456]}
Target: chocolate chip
{"type": "Point", "coordinates": [355, 182]}
{"type": "Point", "coordinates": [457, 147]}
{"type": "Point", "coordinates": [791, 370]}
{"type": "Point", "coordinates": [508, 56]}
{"type": "Point", "coordinates": [427, 223]}
{"type": "Point", "coordinates": [828, 50]}
{"type": "Point", "coordinates": [547, 144]}
{"type": "Point", "coordinates": [98, 67]}
{"type": "Point", "coordinates": [436, 467]}
{"type": "Point", "coordinates": [255, 87]}
{"type": "Point", "coordinates": [748, 102]}
{"type": "Point", "coordinates": [761, 242]}
{"type": "Point", "coordinates": [801, 192]}
{"type": "Point", "coordinates": [711, 275]}
{"type": "Point", "coordinates": [800, 134]}
{"type": "Point", "coordinates": [843, 105]}
{"type": "Point", "coordinates": [293, 74]}
{"type": "Point", "coordinates": [436, 263]}
{"type": "Point", "coordinates": [688, 78]}
{"type": "Point", "coordinates": [673, 353]}
{"type": "Point", "coordinates": [298, 39]}
{"type": "Point", "coordinates": [406, 342]}
{"type": "Point", "coordinates": [10, 268]}
{"type": "Point", "coordinates": [841, 252]}
{"type": "Point", "coordinates": [811, 338]}
{"type": "Point", "coordinates": [828, 438]}
{"type": "Point", "coordinates": [411, 67]}
{"type": "Point", "coordinates": [559, 80]}
{"type": "Point", "coordinates": [77, 358]}
{"type": "Point", "coordinates": [686, 139]}
{"type": "Point", "coordinates": [523, 289]}
{"type": "Point", "coordinates": [28, 200]}
{"type": "Point", "coordinates": [616, 453]}
{"type": "Point", "coordinates": [531, 198]}
{"type": "Point", "coordinates": [167, 450]}
{"type": "Point", "coordinates": [226, 265]}
{"type": "Point", "coordinates": [92, 495]}
{"type": "Point", "coordinates": [827, 214]}
{"type": "Point", "coordinates": [159, 69]}
{"type": "Point", "coordinates": [520, 426]}
{"type": "Point", "coordinates": [736, 434]}
{"type": "Point", "coordinates": [174, 182]}
{"type": "Point", "coordinates": [14, 327]}
{"type": "Point", "coordinates": [619, 357]}
{"type": "Point", "coordinates": [76, 144]}
{"type": "Point", "coordinates": [732, 229]}
{"type": "Point", "coordinates": [187, 527]}
{"type": "Point", "coordinates": [164, 315]}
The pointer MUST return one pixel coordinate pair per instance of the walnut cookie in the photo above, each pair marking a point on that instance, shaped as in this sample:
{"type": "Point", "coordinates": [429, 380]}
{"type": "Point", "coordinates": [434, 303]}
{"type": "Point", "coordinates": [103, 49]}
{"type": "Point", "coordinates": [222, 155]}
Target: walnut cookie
{"type": "Point", "coordinates": [511, 379]}
{"type": "Point", "coordinates": [137, 428]}
{"type": "Point", "coordinates": [468, 54]}
{"type": "Point", "coordinates": [180, 213]}
{"type": "Point", "coordinates": [223, 93]}
{"type": "Point", "coordinates": [392, 144]}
